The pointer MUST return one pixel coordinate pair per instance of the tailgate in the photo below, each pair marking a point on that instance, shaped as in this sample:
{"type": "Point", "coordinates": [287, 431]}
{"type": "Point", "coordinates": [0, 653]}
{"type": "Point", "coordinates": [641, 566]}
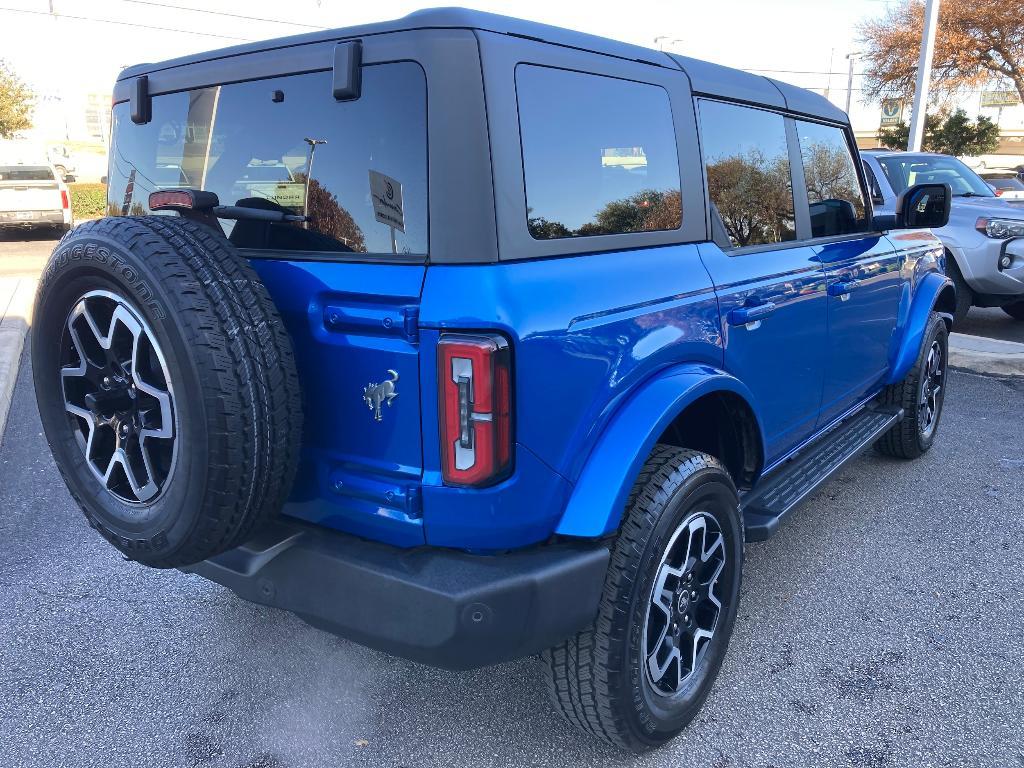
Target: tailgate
{"type": "Point", "coordinates": [29, 196]}
{"type": "Point", "coordinates": [353, 327]}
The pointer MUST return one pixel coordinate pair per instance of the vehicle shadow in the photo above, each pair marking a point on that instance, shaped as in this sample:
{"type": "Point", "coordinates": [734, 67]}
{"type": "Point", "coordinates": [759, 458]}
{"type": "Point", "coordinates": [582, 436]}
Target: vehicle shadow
{"type": "Point", "coordinates": [34, 235]}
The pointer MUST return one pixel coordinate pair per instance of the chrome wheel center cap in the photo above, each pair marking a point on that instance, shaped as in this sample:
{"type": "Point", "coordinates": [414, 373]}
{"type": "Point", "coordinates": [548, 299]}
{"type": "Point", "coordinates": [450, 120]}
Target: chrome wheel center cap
{"type": "Point", "coordinates": [684, 601]}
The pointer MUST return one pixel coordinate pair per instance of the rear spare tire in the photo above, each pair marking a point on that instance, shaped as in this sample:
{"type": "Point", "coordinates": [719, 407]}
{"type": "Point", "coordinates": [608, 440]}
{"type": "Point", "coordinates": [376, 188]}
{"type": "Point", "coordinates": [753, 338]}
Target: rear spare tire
{"type": "Point", "coordinates": [166, 386]}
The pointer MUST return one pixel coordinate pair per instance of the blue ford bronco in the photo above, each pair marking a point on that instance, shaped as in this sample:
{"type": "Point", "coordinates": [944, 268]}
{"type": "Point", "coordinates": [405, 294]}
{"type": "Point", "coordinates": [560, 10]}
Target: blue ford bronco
{"type": "Point", "coordinates": [469, 338]}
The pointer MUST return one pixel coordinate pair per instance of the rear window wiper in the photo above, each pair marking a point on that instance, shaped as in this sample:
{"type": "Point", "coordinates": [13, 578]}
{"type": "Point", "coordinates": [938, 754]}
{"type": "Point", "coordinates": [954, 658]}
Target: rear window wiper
{"type": "Point", "coordinates": [255, 214]}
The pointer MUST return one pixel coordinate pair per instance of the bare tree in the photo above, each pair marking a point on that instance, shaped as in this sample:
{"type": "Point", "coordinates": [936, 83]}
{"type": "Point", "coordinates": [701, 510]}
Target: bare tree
{"type": "Point", "coordinates": [976, 41]}
{"type": "Point", "coordinates": [329, 218]}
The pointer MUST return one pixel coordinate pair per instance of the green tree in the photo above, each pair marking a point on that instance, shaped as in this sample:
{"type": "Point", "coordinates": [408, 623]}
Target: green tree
{"type": "Point", "coordinates": [898, 136]}
{"type": "Point", "coordinates": [955, 134]}
{"type": "Point", "coordinates": [961, 137]}
{"type": "Point", "coordinates": [16, 102]}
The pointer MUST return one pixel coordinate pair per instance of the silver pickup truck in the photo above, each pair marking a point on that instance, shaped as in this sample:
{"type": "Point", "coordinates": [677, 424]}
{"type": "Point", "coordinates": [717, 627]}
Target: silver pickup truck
{"type": "Point", "coordinates": [33, 195]}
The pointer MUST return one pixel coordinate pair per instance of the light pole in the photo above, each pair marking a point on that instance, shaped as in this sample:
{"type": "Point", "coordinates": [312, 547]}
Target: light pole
{"type": "Point", "coordinates": [828, 85]}
{"type": "Point", "coordinates": [924, 76]}
{"type": "Point", "coordinates": [850, 58]}
{"type": "Point", "coordinates": [309, 175]}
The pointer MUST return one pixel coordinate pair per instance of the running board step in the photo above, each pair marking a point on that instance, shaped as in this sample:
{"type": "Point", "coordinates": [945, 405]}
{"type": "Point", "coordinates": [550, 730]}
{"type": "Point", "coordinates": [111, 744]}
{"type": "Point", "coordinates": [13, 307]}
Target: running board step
{"type": "Point", "coordinates": [784, 489]}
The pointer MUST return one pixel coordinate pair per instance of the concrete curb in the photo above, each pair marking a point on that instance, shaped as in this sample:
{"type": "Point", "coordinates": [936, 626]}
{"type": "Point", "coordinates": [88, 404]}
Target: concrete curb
{"type": "Point", "coordinates": [17, 296]}
{"type": "Point", "coordinates": [983, 355]}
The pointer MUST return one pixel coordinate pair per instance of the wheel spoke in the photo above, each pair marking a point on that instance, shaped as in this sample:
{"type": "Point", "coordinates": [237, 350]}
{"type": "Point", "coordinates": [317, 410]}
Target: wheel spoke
{"type": "Point", "coordinates": [685, 605]}
{"type": "Point", "coordinates": [700, 637]}
{"type": "Point", "coordinates": [712, 584]}
{"type": "Point", "coordinates": [717, 544]}
{"type": "Point", "coordinates": [658, 670]}
{"type": "Point", "coordinates": [121, 401]}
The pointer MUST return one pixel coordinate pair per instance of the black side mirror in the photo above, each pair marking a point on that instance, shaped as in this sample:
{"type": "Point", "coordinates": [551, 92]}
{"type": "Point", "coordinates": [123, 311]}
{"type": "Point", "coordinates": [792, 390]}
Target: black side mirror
{"type": "Point", "coordinates": [103, 179]}
{"type": "Point", "coordinates": [924, 206]}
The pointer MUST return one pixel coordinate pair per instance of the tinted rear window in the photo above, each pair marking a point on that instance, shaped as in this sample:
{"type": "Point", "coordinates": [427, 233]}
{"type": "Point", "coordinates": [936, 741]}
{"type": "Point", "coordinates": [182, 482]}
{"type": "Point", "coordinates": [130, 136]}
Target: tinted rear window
{"type": "Point", "coordinates": [599, 154]}
{"type": "Point", "coordinates": [25, 173]}
{"type": "Point", "coordinates": [285, 143]}
{"type": "Point", "coordinates": [1004, 182]}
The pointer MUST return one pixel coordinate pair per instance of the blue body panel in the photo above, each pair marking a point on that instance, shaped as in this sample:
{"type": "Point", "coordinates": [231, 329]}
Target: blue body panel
{"type": "Point", "coordinates": [350, 324]}
{"type": "Point", "coordinates": [781, 360]}
{"type": "Point", "coordinates": [861, 322]}
{"type": "Point", "coordinates": [599, 497]}
{"type": "Point", "coordinates": [925, 282]}
{"type": "Point", "coordinates": [586, 332]}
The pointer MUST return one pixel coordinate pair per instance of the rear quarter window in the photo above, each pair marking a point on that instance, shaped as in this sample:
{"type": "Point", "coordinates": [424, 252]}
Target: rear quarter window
{"type": "Point", "coordinates": [599, 154]}
{"type": "Point", "coordinates": [286, 143]}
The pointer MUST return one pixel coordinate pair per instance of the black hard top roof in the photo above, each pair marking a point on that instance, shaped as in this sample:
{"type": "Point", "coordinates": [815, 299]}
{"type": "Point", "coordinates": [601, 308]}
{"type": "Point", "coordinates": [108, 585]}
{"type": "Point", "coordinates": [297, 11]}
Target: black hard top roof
{"type": "Point", "coordinates": [706, 78]}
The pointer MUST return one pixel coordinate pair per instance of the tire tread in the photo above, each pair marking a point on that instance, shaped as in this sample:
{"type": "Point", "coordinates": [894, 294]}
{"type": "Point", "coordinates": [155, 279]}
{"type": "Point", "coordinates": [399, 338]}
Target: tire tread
{"type": "Point", "coordinates": [577, 671]}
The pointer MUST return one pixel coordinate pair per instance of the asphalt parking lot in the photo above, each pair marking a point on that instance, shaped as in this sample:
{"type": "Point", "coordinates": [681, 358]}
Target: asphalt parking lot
{"type": "Point", "coordinates": [24, 252]}
{"type": "Point", "coordinates": [882, 627]}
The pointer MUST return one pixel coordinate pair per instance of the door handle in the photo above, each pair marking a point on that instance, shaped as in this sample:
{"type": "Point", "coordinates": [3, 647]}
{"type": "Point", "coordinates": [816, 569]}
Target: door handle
{"type": "Point", "coordinates": [750, 316]}
{"type": "Point", "coordinates": [842, 288]}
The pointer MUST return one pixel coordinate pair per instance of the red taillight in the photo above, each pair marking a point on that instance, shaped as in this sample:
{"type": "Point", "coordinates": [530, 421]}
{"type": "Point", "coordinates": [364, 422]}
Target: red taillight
{"type": "Point", "coordinates": [170, 199]}
{"type": "Point", "coordinates": [64, 201]}
{"type": "Point", "coordinates": [474, 408]}
{"type": "Point", "coordinates": [999, 192]}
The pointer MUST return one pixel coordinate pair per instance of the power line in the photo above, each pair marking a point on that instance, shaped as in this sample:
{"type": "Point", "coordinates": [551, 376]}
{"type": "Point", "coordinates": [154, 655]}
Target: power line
{"type": "Point", "coordinates": [223, 13]}
{"type": "Point", "coordinates": [803, 72]}
{"type": "Point", "coordinates": [127, 24]}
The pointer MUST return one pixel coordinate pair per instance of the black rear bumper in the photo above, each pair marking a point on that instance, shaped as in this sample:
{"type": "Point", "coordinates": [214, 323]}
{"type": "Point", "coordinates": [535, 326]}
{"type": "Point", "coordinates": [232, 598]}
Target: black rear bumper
{"type": "Point", "coordinates": [439, 607]}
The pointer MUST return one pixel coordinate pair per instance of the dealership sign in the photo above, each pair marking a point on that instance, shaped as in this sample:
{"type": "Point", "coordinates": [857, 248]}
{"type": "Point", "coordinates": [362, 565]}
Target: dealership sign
{"type": "Point", "coordinates": [1003, 98]}
{"type": "Point", "coordinates": [892, 112]}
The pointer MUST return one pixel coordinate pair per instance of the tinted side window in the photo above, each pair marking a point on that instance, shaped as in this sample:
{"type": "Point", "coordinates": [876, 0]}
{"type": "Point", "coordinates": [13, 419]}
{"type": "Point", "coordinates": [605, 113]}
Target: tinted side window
{"type": "Point", "coordinates": [599, 154]}
{"type": "Point", "coordinates": [833, 189]}
{"type": "Point", "coordinates": [286, 144]}
{"type": "Point", "coordinates": [747, 162]}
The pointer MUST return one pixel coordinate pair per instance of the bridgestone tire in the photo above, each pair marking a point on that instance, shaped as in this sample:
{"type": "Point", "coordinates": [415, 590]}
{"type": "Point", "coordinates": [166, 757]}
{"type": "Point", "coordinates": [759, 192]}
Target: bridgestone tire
{"type": "Point", "coordinates": [225, 394]}
{"type": "Point", "coordinates": [597, 679]}
{"type": "Point", "coordinates": [909, 439]}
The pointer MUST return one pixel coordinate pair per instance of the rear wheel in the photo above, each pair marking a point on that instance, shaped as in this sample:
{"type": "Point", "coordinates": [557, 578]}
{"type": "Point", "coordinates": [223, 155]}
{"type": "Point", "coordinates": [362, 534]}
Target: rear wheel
{"type": "Point", "coordinates": [641, 673]}
{"type": "Point", "coordinates": [1015, 310]}
{"type": "Point", "coordinates": [921, 396]}
{"type": "Point", "coordinates": [166, 385]}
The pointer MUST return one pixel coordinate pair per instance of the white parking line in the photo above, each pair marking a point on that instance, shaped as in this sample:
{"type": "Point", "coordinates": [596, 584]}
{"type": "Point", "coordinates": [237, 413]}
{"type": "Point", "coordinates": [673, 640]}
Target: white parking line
{"type": "Point", "coordinates": [17, 295]}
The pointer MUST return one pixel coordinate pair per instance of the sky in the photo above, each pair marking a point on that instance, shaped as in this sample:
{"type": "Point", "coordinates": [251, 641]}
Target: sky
{"type": "Point", "coordinates": [800, 40]}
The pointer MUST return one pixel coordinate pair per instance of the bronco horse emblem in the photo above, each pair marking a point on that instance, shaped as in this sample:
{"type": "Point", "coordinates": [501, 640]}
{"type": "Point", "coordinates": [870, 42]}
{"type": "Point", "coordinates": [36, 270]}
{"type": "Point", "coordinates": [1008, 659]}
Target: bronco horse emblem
{"type": "Point", "coordinates": [375, 395]}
